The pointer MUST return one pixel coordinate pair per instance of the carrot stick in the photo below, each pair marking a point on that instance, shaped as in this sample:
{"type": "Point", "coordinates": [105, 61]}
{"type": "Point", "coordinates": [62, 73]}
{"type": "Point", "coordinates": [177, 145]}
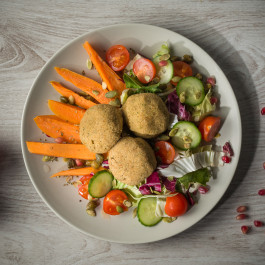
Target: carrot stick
{"type": "Point", "coordinates": [55, 127]}
{"type": "Point", "coordinates": [91, 87]}
{"type": "Point", "coordinates": [75, 151]}
{"type": "Point", "coordinates": [66, 112]}
{"type": "Point", "coordinates": [113, 81]}
{"type": "Point", "coordinates": [77, 172]}
{"type": "Point", "coordinates": [80, 101]}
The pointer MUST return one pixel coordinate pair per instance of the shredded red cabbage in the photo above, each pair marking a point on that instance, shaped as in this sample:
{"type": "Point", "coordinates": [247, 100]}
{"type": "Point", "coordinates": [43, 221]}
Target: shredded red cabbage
{"type": "Point", "coordinates": [174, 106]}
{"type": "Point", "coordinates": [169, 184]}
{"type": "Point", "coordinates": [153, 181]}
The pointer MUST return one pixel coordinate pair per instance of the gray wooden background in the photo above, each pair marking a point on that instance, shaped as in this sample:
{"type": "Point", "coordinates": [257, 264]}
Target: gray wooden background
{"type": "Point", "coordinates": [232, 32]}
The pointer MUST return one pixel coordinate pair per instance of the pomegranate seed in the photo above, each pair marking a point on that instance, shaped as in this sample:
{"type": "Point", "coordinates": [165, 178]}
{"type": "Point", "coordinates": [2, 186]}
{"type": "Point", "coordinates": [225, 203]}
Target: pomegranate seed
{"type": "Point", "coordinates": [203, 189]}
{"type": "Point", "coordinates": [258, 223]}
{"type": "Point", "coordinates": [261, 192]}
{"type": "Point", "coordinates": [162, 63]}
{"type": "Point", "coordinates": [59, 140]}
{"type": "Point", "coordinates": [262, 111]}
{"type": "Point", "coordinates": [47, 135]}
{"type": "Point", "coordinates": [228, 149]}
{"type": "Point", "coordinates": [226, 159]}
{"type": "Point", "coordinates": [245, 229]}
{"type": "Point", "coordinates": [264, 165]}
{"type": "Point", "coordinates": [241, 216]}
{"type": "Point", "coordinates": [211, 80]}
{"type": "Point", "coordinates": [79, 162]}
{"type": "Point", "coordinates": [241, 209]}
{"type": "Point", "coordinates": [213, 100]}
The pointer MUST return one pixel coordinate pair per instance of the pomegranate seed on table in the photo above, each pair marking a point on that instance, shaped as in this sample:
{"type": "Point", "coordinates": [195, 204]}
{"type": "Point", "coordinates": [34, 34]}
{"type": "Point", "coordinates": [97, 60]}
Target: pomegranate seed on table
{"type": "Point", "coordinates": [203, 190]}
{"type": "Point", "coordinates": [258, 223]}
{"type": "Point", "coordinates": [261, 192]}
{"type": "Point", "coordinates": [241, 216]}
{"type": "Point", "coordinates": [241, 209]}
{"type": "Point", "coordinates": [211, 80]}
{"type": "Point", "coordinates": [226, 159]}
{"type": "Point", "coordinates": [262, 111]}
{"type": "Point", "coordinates": [245, 229]}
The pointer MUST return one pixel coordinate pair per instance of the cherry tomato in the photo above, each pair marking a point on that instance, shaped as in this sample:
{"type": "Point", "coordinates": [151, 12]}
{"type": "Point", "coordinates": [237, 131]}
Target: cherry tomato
{"type": "Point", "coordinates": [83, 189]}
{"type": "Point", "coordinates": [165, 152]}
{"type": "Point", "coordinates": [144, 69]}
{"type": "Point", "coordinates": [176, 205]}
{"type": "Point", "coordinates": [209, 127]}
{"type": "Point", "coordinates": [181, 69]}
{"type": "Point", "coordinates": [117, 57]}
{"type": "Point", "coordinates": [113, 201]}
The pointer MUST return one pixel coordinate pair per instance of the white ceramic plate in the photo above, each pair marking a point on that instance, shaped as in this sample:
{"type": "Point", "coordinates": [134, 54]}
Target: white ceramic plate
{"type": "Point", "coordinates": [64, 200]}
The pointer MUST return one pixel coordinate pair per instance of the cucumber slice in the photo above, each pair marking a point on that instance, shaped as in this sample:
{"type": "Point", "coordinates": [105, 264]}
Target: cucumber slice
{"type": "Point", "coordinates": [165, 73]}
{"type": "Point", "coordinates": [192, 89]}
{"type": "Point", "coordinates": [100, 184]}
{"type": "Point", "coordinates": [185, 135]}
{"type": "Point", "coordinates": [146, 212]}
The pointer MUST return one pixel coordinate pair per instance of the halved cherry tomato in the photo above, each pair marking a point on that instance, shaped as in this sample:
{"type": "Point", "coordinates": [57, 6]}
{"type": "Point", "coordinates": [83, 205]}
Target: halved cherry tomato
{"type": "Point", "coordinates": [165, 152]}
{"type": "Point", "coordinates": [176, 205]}
{"type": "Point", "coordinates": [145, 70]}
{"type": "Point", "coordinates": [181, 69]}
{"type": "Point", "coordinates": [117, 57]}
{"type": "Point", "coordinates": [83, 189]}
{"type": "Point", "coordinates": [209, 127]}
{"type": "Point", "coordinates": [113, 201]}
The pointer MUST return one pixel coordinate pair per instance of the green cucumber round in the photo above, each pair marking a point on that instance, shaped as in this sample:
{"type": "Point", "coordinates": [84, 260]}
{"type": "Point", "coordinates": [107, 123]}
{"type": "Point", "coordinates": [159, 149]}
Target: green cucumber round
{"type": "Point", "coordinates": [146, 211]}
{"type": "Point", "coordinates": [191, 89]}
{"type": "Point", "coordinates": [185, 135]}
{"type": "Point", "coordinates": [165, 73]}
{"type": "Point", "coordinates": [100, 184]}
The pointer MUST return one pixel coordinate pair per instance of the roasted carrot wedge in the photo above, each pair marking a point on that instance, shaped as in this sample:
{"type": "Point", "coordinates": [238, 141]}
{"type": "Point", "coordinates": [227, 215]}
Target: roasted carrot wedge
{"type": "Point", "coordinates": [77, 172]}
{"type": "Point", "coordinates": [75, 151]}
{"type": "Point", "coordinates": [80, 101]}
{"type": "Point", "coordinates": [55, 127]}
{"type": "Point", "coordinates": [66, 112]}
{"type": "Point", "coordinates": [113, 81]}
{"type": "Point", "coordinates": [91, 87]}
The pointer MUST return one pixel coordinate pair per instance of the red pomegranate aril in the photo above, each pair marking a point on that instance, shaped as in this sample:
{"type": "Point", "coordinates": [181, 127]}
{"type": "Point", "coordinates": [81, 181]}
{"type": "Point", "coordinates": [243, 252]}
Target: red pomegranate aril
{"type": "Point", "coordinates": [241, 216]}
{"type": "Point", "coordinates": [245, 229]}
{"type": "Point", "coordinates": [264, 165]}
{"type": "Point", "coordinates": [262, 111]}
{"type": "Point", "coordinates": [227, 148]}
{"type": "Point", "coordinates": [211, 80]}
{"type": "Point", "coordinates": [79, 162]}
{"type": "Point", "coordinates": [241, 209]}
{"type": "Point", "coordinates": [203, 190]}
{"type": "Point", "coordinates": [213, 100]}
{"type": "Point", "coordinates": [226, 159]}
{"type": "Point", "coordinates": [59, 140]}
{"type": "Point", "coordinates": [258, 223]}
{"type": "Point", "coordinates": [162, 63]}
{"type": "Point", "coordinates": [261, 192]}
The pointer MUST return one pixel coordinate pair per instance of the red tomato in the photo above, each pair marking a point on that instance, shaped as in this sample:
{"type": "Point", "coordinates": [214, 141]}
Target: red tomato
{"type": "Point", "coordinates": [165, 152]}
{"type": "Point", "coordinates": [176, 205]}
{"type": "Point", "coordinates": [83, 189]}
{"type": "Point", "coordinates": [181, 69]}
{"type": "Point", "coordinates": [209, 127]}
{"type": "Point", "coordinates": [117, 57]}
{"type": "Point", "coordinates": [144, 69]}
{"type": "Point", "coordinates": [113, 199]}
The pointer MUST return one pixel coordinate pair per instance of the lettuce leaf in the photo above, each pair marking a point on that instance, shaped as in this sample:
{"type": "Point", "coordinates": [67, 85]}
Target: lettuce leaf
{"type": "Point", "coordinates": [203, 109]}
{"type": "Point", "coordinates": [163, 50]}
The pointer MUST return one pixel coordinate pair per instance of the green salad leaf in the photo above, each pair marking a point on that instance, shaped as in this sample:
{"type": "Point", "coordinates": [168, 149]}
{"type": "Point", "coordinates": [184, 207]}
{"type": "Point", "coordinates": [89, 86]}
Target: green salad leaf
{"type": "Point", "coordinates": [163, 50]}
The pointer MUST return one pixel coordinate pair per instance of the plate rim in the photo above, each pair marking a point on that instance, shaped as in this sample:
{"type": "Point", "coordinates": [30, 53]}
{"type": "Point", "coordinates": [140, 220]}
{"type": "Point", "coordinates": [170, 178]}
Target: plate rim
{"type": "Point", "coordinates": [26, 106]}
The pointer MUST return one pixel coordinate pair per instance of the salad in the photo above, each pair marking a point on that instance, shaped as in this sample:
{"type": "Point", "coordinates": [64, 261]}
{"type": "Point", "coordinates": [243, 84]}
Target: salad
{"type": "Point", "coordinates": [177, 147]}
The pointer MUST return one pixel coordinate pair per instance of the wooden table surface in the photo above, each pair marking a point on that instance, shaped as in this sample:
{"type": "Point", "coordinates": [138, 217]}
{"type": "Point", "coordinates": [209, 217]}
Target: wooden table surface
{"type": "Point", "coordinates": [232, 32]}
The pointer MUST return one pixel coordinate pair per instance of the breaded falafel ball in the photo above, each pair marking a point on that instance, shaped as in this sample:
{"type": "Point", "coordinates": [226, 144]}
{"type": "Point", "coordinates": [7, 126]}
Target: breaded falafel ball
{"type": "Point", "coordinates": [101, 128]}
{"type": "Point", "coordinates": [132, 160]}
{"type": "Point", "coordinates": [146, 115]}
